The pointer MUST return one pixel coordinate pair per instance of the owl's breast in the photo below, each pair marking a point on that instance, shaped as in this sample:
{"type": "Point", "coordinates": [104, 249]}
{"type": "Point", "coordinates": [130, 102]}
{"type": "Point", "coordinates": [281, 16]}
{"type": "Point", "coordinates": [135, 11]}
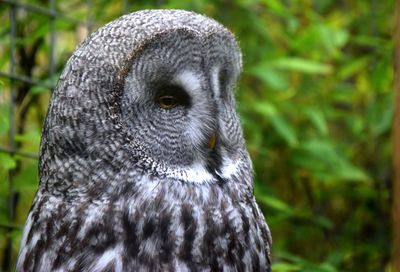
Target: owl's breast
{"type": "Point", "coordinates": [178, 227]}
{"type": "Point", "coordinates": [186, 227]}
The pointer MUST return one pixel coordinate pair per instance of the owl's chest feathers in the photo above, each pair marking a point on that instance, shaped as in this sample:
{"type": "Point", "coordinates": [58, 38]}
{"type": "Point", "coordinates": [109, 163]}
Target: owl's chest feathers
{"type": "Point", "coordinates": [172, 226]}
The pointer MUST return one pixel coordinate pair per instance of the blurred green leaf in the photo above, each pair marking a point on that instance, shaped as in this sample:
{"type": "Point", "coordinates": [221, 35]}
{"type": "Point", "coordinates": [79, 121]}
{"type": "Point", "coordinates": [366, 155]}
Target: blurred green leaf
{"type": "Point", "coordinates": [302, 65]}
{"type": "Point", "coordinates": [38, 90]}
{"type": "Point", "coordinates": [318, 119]}
{"type": "Point", "coordinates": [265, 108]}
{"type": "Point", "coordinates": [281, 126]}
{"type": "Point", "coordinates": [275, 203]}
{"type": "Point", "coordinates": [306, 265]}
{"type": "Point", "coordinates": [284, 129]}
{"type": "Point", "coordinates": [29, 137]}
{"type": "Point", "coordinates": [7, 161]}
{"type": "Point", "coordinates": [275, 5]}
{"type": "Point", "coordinates": [321, 158]}
{"type": "Point", "coordinates": [285, 267]}
{"type": "Point", "coordinates": [353, 67]}
{"type": "Point", "coordinates": [325, 222]}
{"type": "Point", "coordinates": [272, 77]}
{"type": "Point", "coordinates": [4, 121]}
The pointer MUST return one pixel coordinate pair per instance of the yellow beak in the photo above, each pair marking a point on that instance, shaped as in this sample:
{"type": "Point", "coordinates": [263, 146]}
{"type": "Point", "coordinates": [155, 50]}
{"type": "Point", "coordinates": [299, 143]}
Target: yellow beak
{"type": "Point", "coordinates": [212, 142]}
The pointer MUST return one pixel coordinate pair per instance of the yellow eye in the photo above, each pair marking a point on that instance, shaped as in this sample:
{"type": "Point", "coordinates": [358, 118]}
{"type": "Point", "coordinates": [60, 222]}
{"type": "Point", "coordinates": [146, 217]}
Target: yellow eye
{"type": "Point", "coordinates": [167, 101]}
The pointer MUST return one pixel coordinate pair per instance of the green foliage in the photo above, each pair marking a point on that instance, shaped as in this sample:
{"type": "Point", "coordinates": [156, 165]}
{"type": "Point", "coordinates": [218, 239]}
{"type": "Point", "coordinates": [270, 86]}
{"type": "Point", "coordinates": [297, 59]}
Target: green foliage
{"type": "Point", "coordinates": [316, 104]}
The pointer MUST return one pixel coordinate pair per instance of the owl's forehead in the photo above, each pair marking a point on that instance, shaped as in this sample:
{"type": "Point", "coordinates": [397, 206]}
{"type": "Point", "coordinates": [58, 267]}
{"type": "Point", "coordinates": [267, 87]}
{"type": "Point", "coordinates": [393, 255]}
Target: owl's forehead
{"type": "Point", "coordinates": [182, 49]}
{"type": "Point", "coordinates": [185, 40]}
{"type": "Point", "coordinates": [146, 23]}
{"type": "Point", "coordinates": [168, 33]}
{"type": "Point", "coordinates": [151, 45]}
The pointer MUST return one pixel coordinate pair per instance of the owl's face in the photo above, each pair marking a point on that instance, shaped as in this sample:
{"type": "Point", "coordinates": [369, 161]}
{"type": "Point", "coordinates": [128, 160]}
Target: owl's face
{"type": "Point", "coordinates": [178, 103]}
{"type": "Point", "coordinates": [151, 92]}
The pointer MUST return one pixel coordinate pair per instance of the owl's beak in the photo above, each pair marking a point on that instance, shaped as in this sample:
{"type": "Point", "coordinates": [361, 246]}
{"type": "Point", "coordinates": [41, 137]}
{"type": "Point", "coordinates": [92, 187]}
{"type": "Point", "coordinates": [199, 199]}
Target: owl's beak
{"type": "Point", "coordinates": [212, 141]}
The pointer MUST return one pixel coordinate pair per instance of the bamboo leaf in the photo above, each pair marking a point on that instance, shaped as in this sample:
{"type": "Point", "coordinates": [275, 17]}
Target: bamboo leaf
{"type": "Point", "coordinates": [302, 65]}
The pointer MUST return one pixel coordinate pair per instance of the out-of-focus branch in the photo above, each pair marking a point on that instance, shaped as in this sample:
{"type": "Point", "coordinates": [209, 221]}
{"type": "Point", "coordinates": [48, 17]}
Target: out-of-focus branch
{"type": "Point", "coordinates": [396, 157]}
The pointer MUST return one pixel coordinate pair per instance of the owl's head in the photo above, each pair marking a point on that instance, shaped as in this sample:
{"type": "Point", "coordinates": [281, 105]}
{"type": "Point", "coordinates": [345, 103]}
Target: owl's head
{"type": "Point", "coordinates": [153, 90]}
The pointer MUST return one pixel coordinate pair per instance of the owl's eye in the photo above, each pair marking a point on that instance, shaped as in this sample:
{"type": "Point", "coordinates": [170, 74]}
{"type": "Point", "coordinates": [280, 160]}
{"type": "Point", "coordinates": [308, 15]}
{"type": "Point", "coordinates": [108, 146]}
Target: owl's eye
{"type": "Point", "coordinates": [167, 101]}
{"type": "Point", "coordinates": [171, 96]}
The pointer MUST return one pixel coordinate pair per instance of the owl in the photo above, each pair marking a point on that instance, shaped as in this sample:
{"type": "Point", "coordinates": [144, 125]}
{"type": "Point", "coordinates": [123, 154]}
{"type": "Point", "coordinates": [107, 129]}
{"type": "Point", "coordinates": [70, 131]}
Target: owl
{"type": "Point", "coordinates": [143, 164]}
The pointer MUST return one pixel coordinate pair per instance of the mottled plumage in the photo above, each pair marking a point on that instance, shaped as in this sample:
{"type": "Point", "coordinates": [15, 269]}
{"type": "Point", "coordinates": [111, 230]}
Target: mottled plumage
{"type": "Point", "coordinates": [143, 165]}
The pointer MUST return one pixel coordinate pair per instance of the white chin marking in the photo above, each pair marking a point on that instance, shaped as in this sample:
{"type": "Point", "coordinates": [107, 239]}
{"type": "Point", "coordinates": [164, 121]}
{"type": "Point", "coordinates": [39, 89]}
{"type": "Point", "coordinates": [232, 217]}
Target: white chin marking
{"type": "Point", "coordinates": [229, 168]}
{"type": "Point", "coordinates": [197, 172]}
